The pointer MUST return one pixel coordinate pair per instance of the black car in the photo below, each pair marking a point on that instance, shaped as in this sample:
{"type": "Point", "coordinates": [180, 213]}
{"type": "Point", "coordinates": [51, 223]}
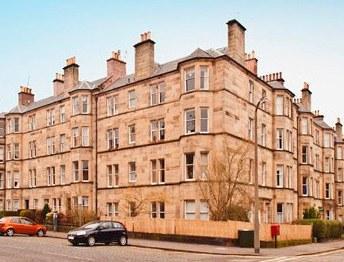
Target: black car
{"type": "Point", "coordinates": [99, 232]}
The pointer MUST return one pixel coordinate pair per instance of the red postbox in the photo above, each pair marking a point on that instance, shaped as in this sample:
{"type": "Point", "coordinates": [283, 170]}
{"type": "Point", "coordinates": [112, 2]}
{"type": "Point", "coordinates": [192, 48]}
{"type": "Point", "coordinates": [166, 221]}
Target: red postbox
{"type": "Point", "coordinates": [275, 230]}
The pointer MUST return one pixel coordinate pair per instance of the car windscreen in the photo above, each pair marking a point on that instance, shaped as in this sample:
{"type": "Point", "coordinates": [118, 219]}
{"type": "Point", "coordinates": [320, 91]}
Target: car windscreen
{"type": "Point", "coordinates": [90, 226]}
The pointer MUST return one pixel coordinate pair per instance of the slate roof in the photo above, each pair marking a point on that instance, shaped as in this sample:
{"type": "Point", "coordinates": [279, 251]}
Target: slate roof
{"type": "Point", "coordinates": [322, 123]}
{"type": "Point", "coordinates": [2, 115]}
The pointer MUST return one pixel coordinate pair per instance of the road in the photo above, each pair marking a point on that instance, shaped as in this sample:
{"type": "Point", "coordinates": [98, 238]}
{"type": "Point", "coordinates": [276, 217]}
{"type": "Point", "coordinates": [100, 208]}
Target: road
{"type": "Point", "coordinates": [23, 248]}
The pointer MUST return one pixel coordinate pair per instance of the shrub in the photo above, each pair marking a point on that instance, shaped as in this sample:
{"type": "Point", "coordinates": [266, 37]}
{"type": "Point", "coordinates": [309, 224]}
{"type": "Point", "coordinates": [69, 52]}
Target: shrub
{"type": "Point", "coordinates": [46, 209]}
{"type": "Point", "coordinates": [28, 213]}
{"type": "Point", "coordinates": [39, 216]}
{"type": "Point", "coordinates": [311, 213]}
{"type": "Point", "coordinates": [323, 229]}
{"type": "Point", "coordinates": [8, 213]}
{"type": "Point", "coordinates": [78, 217]}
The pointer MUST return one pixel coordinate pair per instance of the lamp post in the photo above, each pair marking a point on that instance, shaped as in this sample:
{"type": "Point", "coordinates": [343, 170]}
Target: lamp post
{"type": "Point", "coordinates": [256, 194]}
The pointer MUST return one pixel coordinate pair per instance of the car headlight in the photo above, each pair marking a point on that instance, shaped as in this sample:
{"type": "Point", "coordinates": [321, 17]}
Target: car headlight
{"type": "Point", "coordinates": [80, 233]}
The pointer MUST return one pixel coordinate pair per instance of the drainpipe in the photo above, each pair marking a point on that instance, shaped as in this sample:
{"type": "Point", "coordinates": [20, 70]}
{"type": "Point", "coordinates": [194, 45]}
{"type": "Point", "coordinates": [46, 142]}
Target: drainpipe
{"type": "Point", "coordinates": [298, 165]}
{"type": "Point", "coordinates": [96, 146]}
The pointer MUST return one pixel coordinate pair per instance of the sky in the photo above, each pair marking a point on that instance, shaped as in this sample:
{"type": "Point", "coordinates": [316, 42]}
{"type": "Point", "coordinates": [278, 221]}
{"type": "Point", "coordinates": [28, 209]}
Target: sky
{"type": "Point", "coordinates": [302, 39]}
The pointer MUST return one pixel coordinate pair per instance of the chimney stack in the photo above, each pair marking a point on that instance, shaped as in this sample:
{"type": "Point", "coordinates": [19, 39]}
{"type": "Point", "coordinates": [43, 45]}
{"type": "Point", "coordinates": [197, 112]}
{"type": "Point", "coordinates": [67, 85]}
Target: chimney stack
{"type": "Point", "coordinates": [58, 84]}
{"type": "Point", "coordinates": [144, 57]}
{"type": "Point", "coordinates": [71, 73]}
{"type": "Point", "coordinates": [236, 41]}
{"type": "Point", "coordinates": [306, 97]}
{"type": "Point", "coordinates": [339, 130]}
{"type": "Point", "coordinates": [251, 62]}
{"type": "Point", "coordinates": [25, 96]}
{"type": "Point", "coordinates": [116, 68]}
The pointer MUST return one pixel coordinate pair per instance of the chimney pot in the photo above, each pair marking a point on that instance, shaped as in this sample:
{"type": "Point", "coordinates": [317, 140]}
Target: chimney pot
{"type": "Point", "coordinates": [144, 57]}
{"type": "Point", "coordinates": [25, 96]}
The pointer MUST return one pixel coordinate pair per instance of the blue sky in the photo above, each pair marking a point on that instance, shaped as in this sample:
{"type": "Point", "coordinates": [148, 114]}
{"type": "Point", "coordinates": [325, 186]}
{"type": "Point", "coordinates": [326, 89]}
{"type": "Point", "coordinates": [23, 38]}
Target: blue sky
{"type": "Point", "coordinates": [303, 39]}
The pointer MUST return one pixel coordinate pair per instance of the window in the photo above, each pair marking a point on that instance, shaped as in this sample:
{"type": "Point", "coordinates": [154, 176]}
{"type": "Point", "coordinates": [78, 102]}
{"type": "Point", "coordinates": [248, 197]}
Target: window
{"type": "Point", "coordinates": [50, 145]}
{"type": "Point", "coordinates": [304, 154]}
{"type": "Point", "coordinates": [280, 139]}
{"type": "Point", "coordinates": [2, 153]}
{"type": "Point", "coordinates": [2, 180]}
{"type": "Point", "coordinates": [75, 165]}
{"type": "Point", "coordinates": [158, 171]}
{"type": "Point", "coordinates": [113, 175]}
{"type": "Point", "coordinates": [157, 130]}
{"type": "Point", "coordinates": [251, 91]}
{"type": "Point", "coordinates": [280, 213]}
{"type": "Point", "coordinates": [204, 165]}
{"type": "Point", "coordinates": [111, 105]}
{"type": "Point", "coordinates": [204, 78]}
{"type": "Point", "coordinates": [304, 126]}
{"type": "Point", "coordinates": [75, 105]}
{"type": "Point", "coordinates": [305, 186]}
{"type": "Point", "coordinates": [132, 134]}
{"type": "Point", "coordinates": [112, 138]}
{"type": "Point", "coordinates": [62, 142]}
{"type": "Point", "coordinates": [16, 151]}
{"type": "Point", "coordinates": [157, 210]}
{"type": "Point", "coordinates": [263, 104]}
{"type": "Point", "coordinates": [75, 137]}
{"type": "Point", "coordinates": [62, 174]}
{"type": "Point", "coordinates": [289, 143]}
{"type": "Point", "coordinates": [112, 209]}
{"type": "Point", "coordinates": [190, 209]}
{"type": "Point", "coordinates": [84, 170]}
{"type": "Point", "coordinates": [85, 136]}
{"type": "Point", "coordinates": [84, 201]}
{"type": "Point", "coordinates": [327, 191]}
{"type": "Point", "coordinates": [279, 105]}
{"type": "Point", "coordinates": [50, 117]}
{"type": "Point", "coordinates": [32, 149]}
{"type": "Point", "coordinates": [9, 152]}
{"type": "Point", "coordinates": [189, 79]}
{"type": "Point", "coordinates": [35, 203]}
{"type": "Point", "coordinates": [132, 172]}
{"type": "Point", "coordinates": [340, 174]}
{"type": "Point", "coordinates": [32, 122]}
{"type": "Point", "coordinates": [327, 140]}
{"type": "Point", "coordinates": [84, 104]}
{"type": "Point", "coordinates": [204, 120]}
{"type": "Point", "coordinates": [263, 135]}
{"type": "Point", "coordinates": [279, 176]}
{"type": "Point", "coordinates": [51, 179]}
{"type": "Point", "coordinates": [190, 121]}
{"type": "Point", "coordinates": [16, 124]}
{"type": "Point", "coordinates": [340, 197]}
{"type": "Point", "coordinates": [9, 179]}
{"type": "Point", "coordinates": [15, 203]}
{"type": "Point", "coordinates": [133, 212]}
{"type": "Point", "coordinates": [264, 174]}
{"type": "Point", "coordinates": [203, 210]}
{"type": "Point", "coordinates": [157, 94]}
{"type": "Point", "coordinates": [339, 153]}
{"type": "Point", "coordinates": [289, 176]}
{"type": "Point", "coordinates": [327, 165]}
{"type": "Point", "coordinates": [317, 161]}
{"type": "Point", "coordinates": [62, 114]}
{"type": "Point", "coordinates": [32, 178]}
{"type": "Point", "coordinates": [250, 129]}
{"type": "Point", "coordinates": [189, 166]}
{"type": "Point", "coordinates": [317, 137]}
{"type": "Point", "coordinates": [132, 99]}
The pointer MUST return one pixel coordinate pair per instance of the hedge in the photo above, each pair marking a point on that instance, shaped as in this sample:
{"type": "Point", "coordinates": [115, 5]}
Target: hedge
{"type": "Point", "coordinates": [324, 229]}
{"type": "Point", "coordinates": [8, 213]}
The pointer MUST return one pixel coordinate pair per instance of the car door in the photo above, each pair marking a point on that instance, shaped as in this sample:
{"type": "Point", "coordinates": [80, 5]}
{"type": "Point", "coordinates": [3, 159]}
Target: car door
{"type": "Point", "coordinates": [27, 226]}
{"type": "Point", "coordinates": [118, 230]}
{"type": "Point", "coordinates": [105, 232]}
{"type": "Point", "coordinates": [15, 223]}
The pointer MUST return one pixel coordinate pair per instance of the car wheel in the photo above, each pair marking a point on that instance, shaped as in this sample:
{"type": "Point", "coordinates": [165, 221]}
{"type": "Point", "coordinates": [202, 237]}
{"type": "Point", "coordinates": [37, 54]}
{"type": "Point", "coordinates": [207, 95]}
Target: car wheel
{"type": "Point", "coordinates": [40, 233]}
{"type": "Point", "coordinates": [91, 241]}
{"type": "Point", "coordinates": [123, 241]}
{"type": "Point", "coordinates": [10, 232]}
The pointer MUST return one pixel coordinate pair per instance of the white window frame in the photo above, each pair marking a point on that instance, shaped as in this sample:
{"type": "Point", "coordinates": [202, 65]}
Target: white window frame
{"type": "Point", "coordinates": [191, 120]}
{"type": "Point", "coordinates": [204, 77]}
{"type": "Point", "coordinates": [132, 172]}
{"type": "Point", "coordinates": [204, 119]}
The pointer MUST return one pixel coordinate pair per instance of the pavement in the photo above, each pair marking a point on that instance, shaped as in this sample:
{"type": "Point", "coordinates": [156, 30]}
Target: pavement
{"type": "Point", "coordinates": [292, 251]}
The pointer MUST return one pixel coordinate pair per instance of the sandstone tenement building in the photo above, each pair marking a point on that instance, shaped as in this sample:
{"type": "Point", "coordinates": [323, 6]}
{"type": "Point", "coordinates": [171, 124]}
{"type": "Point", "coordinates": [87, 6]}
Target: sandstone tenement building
{"type": "Point", "coordinates": [149, 135]}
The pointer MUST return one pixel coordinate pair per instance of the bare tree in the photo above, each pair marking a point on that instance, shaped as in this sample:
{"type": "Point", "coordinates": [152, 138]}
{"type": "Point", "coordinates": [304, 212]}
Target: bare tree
{"type": "Point", "coordinates": [224, 185]}
{"type": "Point", "coordinates": [138, 203]}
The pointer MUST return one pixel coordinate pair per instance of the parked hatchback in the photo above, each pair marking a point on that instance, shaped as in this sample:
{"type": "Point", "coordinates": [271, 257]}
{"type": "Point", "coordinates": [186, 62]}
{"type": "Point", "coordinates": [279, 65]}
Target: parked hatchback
{"type": "Point", "coordinates": [99, 232]}
{"type": "Point", "coordinates": [21, 225]}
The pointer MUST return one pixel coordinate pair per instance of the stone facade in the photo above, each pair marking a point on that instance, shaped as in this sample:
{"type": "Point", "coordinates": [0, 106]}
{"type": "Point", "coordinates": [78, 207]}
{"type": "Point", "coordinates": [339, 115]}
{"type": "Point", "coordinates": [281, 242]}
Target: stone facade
{"type": "Point", "coordinates": [144, 139]}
